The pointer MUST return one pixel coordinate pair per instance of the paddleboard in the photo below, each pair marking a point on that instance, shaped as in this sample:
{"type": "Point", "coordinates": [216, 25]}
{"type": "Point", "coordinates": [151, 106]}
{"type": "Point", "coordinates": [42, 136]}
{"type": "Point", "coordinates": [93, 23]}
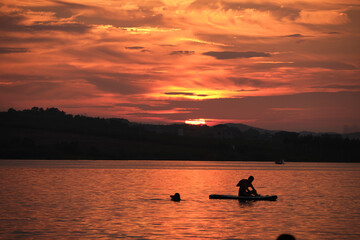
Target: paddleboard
{"type": "Point", "coordinates": [245, 198]}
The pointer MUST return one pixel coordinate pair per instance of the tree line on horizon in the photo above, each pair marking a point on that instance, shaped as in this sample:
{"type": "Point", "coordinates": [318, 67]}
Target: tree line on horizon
{"type": "Point", "coordinates": [50, 133]}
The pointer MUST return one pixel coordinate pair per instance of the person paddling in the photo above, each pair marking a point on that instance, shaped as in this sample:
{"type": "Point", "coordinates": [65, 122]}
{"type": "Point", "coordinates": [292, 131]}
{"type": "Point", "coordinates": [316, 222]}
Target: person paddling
{"type": "Point", "coordinates": [244, 185]}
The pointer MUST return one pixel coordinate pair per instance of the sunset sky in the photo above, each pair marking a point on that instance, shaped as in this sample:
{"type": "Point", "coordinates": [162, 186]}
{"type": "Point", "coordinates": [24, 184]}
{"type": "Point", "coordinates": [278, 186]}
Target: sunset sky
{"type": "Point", "coordinates": [289, 65]}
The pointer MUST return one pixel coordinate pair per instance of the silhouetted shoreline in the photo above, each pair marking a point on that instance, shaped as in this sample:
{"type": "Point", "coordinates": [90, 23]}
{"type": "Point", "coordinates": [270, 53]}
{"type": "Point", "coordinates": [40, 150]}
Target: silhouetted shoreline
{"type": "Point", "coordinates": [53, 134]}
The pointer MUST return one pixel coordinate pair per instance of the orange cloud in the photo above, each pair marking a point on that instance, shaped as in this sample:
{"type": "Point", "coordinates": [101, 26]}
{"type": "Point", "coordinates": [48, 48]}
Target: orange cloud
{"type": "Point", "coordinates": [144, 60]}
{"type": "Point", "coordinates": [335, 17]}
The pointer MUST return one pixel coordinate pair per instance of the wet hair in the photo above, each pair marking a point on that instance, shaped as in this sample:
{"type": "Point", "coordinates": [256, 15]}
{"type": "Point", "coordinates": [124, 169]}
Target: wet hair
{"type": "Point", "coordinates": [175, 197]}
{"type": "Point", "coordinates": [251, 178]}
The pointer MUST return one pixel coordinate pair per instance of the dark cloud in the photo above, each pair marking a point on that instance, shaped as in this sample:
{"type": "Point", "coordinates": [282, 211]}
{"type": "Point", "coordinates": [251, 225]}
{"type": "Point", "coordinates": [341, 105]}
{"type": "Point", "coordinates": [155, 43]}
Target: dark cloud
{"type": "Point", "coordinates": [63, 9]}
{"type": "Point", "coordinates": [248, 90]}
{"type": "Point", "coordinates": [354, 14]}
{"type": "Point", "coordinates": [21, 77]}
{"type": "Point", "coordinates": [326, 64]}
{"type": "Point", "coordinates": [140, 17]}
{"type": "Point", "coordinates": [232, 55]}
{"type": "Point", "coordinates": [278, 10]}
{"type": "Point", "coordinates": [102, 52]}
{"type": "Point", "coordinates": [59, 26]}
{"type": "Point", "coordinates": [158, 106]}
{"type": "Point", "coordinates": [234, 39]}
{"type": "Point", "coordinates": [307, 64]}
{"type": "Point", "coordinates": [39, 90]}
{"type": "Point", "coordinates": [114, 86]}
{"type": "Point", "coordinates": [23, 39]}
{"type": "Point", "coordinates": [297, 35]}
{"type": "Point", "coordinates": [13, 50]}
{"type": "Point", "coordinates": [34, 90]}
{"type": "Point", "coordinates": [107, 52]}
{"type": "Point", "coordinates": [87, 106]}
{"type": "Point", "coordinates": [180, 93]}
{"type": "Point", "coordinates": [182, 53]}
{"type": "Point", "coordinates": [205, 4]}
{"type": "Point", "coordinates": [343, 87]}
{"type": "Point", "coordinates": [13, 22]}
{"type": "Point", "coordinates": [72, 5]}
{"type": "Point", "coordinates": [108, 82]}
{"type": "Point", "coordinates": [120, 83]}
{"type": "Point", "coordinates": [144, 15]}
{"type": "Point", "coordinates": [134, 47]}
{"type": "Point", "coordinates": [186, 94]}
{"type": "Point", "coordinates": [252, 82]}
{"type": "Point", "coordinates": [202, 95]}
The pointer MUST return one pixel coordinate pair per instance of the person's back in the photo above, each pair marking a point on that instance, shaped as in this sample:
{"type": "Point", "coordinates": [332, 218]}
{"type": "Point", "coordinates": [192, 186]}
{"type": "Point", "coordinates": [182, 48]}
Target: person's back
{"type": "Point", "coordinates": [244, 185]}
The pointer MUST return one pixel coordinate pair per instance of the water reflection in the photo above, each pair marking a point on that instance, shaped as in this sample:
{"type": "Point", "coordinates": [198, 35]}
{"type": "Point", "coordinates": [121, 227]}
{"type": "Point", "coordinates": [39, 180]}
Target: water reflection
{"type": "Point", "coordinates": [105, 202]}
{"type": "Point", "coordinates": [245, 204]}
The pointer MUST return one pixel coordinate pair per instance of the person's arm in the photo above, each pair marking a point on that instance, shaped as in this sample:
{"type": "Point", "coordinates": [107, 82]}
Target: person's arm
{"type": "Point", "coordinates": [253, 190]}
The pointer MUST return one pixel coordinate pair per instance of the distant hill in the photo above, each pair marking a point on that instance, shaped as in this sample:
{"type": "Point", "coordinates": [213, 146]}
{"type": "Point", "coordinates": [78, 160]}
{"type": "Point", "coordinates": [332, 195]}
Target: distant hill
{"type": "Point", "coordinates": [52, 134]}
{"type": "Point", "coordinates": [243, 127]}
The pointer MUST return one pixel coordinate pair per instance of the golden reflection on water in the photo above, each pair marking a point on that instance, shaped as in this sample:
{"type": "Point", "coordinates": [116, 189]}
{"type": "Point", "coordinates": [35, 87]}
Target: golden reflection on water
{"type": "Point", "coordinates": [118, 201]}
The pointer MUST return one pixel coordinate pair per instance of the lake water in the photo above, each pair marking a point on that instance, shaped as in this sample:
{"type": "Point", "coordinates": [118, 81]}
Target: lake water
{"type": "Point", "coordinates": [130, 199]}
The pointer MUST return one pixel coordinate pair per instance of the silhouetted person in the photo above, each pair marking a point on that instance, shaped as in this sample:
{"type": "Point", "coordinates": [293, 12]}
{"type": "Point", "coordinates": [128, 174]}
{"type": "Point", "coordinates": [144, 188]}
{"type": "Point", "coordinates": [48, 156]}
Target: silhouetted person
{"type": "Point", "coordinates": [175, 197]}
{"type": "Point", "coordinates": [286, 237]}
{"type": "Point", "coordinates": [244, 185]}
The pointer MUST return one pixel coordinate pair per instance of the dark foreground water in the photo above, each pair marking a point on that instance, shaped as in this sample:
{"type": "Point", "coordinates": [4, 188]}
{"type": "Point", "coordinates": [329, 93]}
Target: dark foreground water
{"type": "Point", "coordinates": [130, 199]}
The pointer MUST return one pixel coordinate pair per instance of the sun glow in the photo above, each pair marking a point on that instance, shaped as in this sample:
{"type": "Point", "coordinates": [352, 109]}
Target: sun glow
{"type": "Point", "coordinates": [198, 121]}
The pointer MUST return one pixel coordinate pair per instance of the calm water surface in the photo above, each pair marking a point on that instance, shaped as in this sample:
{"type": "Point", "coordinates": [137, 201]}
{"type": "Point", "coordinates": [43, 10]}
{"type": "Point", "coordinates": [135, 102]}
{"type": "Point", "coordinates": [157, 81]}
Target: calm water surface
{"type": "Point", "coordinates": [130, 199]}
